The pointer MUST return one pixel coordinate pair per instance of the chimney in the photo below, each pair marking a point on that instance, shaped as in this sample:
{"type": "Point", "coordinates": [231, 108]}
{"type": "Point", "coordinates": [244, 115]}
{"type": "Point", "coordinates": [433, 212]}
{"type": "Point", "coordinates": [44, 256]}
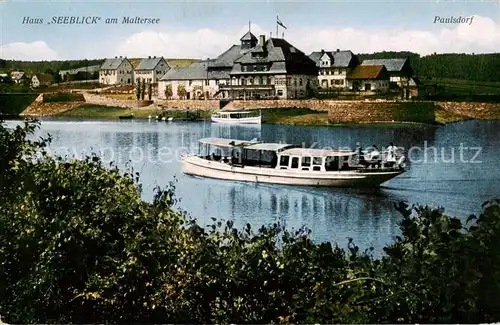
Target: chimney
{"type": "Point", "coordinates": [262, 40]}
{"type": "Point", "coordinates": [116, 57]}
{"type": "Point", "coordinates": [338, 50]}
{"type": "Point", "coordinates": [322, 51]}
{"type": "Point", "coordinates": [154, 57]}
{"type": "Point", "coordinates": [149, 57]}
{"type": "Point", "coordinates": [120, 56]}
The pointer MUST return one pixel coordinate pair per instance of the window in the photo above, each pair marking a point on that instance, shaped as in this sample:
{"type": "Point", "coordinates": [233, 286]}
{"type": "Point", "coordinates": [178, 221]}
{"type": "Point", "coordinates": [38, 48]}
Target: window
{"type": "Point", "coordinates": [317, 161]}
{"type": "Point", "coordinates": [206, 82]}
{"type": "Point", "coordinates": [280, 92]}
{"type": "Point", "coordinates": [261, 80]}
{"type": "Point", "coordinates": [331, 82]}
{"type": "Point", "coordinates": [295, 162]}
{"type": "Point", "coordinates": [284, 160]}
{"type": "Point", "coordinates": [295, 81]}
{"type": "Point", "coordinates": [332, 163]}
{"type": "Point", "coordinates": [300, 82]}
{"type": "Point", "coordinates": [306, 161]}
{"type": "Point", "coordinates": [189, 82]}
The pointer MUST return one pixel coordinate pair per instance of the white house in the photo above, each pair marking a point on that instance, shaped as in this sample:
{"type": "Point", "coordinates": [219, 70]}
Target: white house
{"type": "Point", "coordinates": [151, 69]}
{"type": "Point", "coordinates": [116, 71]}
{"type": "Point", "coordinates": [369, 78]}
{"type": "Point", "coordinates": [41, 79]}
{"type": "Point", "coordinates": [194, 79]}
{"type": "Point", "coordinates": [334, 67]}
{"type": "Point", "coordinates": [19, 77]}
{"type": "Point", "coordinates": [400, 71]}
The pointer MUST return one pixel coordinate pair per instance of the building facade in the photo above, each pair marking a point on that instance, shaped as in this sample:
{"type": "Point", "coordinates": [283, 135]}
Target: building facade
{"type": "Point", "coordinates": [369, 78]}
{"type": "Point", "coordinates": [334, 67]}
{"type": "Point", "coordinates": [272, 68]}
{"type": "Point", "coordinates": [187, 82]}
{"type": "Point", "coordinates": [116, 71]}
{"type": "Point", "coordinates": [41, 79]}
{"type": "Point", "coordinates": [257, 68]}
{"type": "Point", "coordinates": [151, 69]}
{"type": "Point", "coordinates": [400, 71]}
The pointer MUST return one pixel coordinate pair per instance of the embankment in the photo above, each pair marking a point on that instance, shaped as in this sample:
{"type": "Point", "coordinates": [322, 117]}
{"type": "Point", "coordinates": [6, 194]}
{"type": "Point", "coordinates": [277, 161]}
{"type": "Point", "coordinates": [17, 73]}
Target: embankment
{"type": "Point", "coordinates": [50, 104]}
{"type": "Point", "coordinates": [13, 104]}
{"type": "Point", "coordinates": [456, 111]}
{"type": "Point", "coordinates": [337, 112]}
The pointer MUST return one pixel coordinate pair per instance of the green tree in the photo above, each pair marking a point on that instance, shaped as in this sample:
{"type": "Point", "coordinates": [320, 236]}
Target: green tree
{"type": "Point", "coordinates": [143, 89]}
{"type": "Point", "coordinates": [181, 91]}
{"type": "Point", "coordinates": [168, 91]}
{"type": "Point", "coordinates": [138, 89]}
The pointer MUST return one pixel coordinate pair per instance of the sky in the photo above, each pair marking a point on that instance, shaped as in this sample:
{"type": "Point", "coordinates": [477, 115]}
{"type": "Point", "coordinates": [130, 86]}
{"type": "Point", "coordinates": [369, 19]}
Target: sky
{"type": "Point", "coordinates": [204, 29]}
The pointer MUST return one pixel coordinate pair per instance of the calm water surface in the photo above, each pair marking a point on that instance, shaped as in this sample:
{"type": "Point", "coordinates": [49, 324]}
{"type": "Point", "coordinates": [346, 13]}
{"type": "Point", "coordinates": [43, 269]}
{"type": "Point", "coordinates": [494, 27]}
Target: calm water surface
{"type": "Point", "coordinates": [436, 177]}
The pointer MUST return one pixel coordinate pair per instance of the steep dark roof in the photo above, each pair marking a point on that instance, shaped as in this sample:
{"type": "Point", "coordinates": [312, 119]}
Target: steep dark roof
{"type": "Point", "coordinates": [112, 64]}
{"type": "Point", "coordinates": [42, 77]}
{"type": "Point", "coordinates": [248, 37]}
{"type": "Point", "coordinates": [341, 59]}
{"type": "Point", "coordinates": [227, 58]}
{"type": "Point", "coordinates": [280, 56]}
{"type": "Point", "coordinates": [149, 63]}
{"type": "Point", "coordinates": [196, 71]}
{"type": "Point", "coordinates": [392, 65]}
{"type": "Point", "coordinates": [372, 72]}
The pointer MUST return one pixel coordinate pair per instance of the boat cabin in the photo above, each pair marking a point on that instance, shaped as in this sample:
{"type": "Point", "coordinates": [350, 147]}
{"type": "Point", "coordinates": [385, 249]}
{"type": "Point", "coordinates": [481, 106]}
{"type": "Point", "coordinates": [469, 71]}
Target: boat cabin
{"type": "Point", "coordinates": [276, 155]}
{"type": "Point", "coordinates": [324, 160]}
{"type": "Point", "coordinates": [235, 114]}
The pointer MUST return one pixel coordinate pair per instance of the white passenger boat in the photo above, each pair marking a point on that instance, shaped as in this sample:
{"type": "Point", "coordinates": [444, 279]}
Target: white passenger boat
{"type": "Point", "coordinates": [237, 117]}
{"type": "Point", "coordinates": [278, 163]}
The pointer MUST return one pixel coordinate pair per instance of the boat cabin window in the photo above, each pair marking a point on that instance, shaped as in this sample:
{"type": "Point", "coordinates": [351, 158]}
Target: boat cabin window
{"type": "Point", "coordinates": [332, 163]}
{"type": "Point", "coordinates": [317, 162]}
{"type": "Point", "coordinates": [295, 162]}
{"type": "Point", "coordinates": [306, 161]}
{"type": "Point", "coordinates": [284, 160]}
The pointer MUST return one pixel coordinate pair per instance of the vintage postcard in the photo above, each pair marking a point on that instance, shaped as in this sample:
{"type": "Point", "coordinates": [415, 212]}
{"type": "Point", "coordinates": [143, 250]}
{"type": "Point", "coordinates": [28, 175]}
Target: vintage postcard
{"type": "Point", "coordinates": [247, 162]}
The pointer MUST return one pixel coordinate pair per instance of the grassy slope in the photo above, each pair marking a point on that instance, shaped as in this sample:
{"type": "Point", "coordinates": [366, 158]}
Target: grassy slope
{"type": "Point", "coordinates": [87, 111]}
{"type": "Point", "coordinates": [458, 86]}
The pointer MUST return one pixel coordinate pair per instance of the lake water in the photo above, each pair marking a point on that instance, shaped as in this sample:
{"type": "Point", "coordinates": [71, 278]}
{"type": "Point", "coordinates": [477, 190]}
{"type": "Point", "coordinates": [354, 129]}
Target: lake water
{"type": "Point", "coordinates": [438, 174]}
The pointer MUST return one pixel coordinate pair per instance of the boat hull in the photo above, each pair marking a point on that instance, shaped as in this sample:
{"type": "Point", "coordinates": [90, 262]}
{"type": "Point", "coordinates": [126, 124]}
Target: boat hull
{"type": "Point", "coordinates": [246, 120]}
{"type": "Point", "coordinates": [196, 166]}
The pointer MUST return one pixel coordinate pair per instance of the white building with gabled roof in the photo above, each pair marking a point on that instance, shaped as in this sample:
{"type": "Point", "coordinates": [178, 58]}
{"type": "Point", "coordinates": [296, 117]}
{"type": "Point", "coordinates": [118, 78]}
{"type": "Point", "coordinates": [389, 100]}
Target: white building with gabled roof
{"type": "Point", "coordinates": [116, 71]}
{"type": "Point", "coordinates": [151, 69]}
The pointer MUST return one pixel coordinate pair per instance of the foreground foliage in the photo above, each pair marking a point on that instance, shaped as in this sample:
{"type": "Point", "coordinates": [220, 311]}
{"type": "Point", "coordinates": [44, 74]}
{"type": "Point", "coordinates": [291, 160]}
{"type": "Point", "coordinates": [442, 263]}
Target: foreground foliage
{"type": "Point", "coordinates": [79, 245]}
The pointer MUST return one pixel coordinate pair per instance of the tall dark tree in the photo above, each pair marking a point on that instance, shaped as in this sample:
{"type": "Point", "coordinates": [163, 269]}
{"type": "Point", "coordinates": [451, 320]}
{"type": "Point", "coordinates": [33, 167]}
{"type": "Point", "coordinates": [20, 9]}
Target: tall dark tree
{"type": "Point", "coordinates": [143, 90]}
{"type": "Point", "coordinates": [138, 89]}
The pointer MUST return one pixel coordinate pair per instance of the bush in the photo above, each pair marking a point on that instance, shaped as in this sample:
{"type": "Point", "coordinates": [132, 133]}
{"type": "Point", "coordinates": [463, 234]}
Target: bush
{"type": "Point", "coordinates": [79, 245]}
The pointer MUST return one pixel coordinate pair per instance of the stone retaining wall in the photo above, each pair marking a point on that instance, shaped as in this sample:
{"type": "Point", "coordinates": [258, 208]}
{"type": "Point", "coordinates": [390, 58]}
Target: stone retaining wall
{"type": "Point", "coordinates": [349, 111]}
{"type": "Point", "coordinates": [107, 101]}
{"type": "Point", "coordinates": [472, 110]}
{"type": "Point", "coordinates": [186, 104]}
{"type": "Point", "coordinates": [49, 109]}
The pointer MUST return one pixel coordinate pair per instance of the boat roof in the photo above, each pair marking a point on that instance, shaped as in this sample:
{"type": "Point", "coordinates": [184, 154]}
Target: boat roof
{"type": "Point", "coordinates": [247, 144]}
{"type": "Point", "coordinates": [316, 152]}
{"type": "Point", "coordinates": [221, 142]}
{"type": "Point", "coordinates": [269, 146]}
{"type": "Point", "coordinates": [237, 112]}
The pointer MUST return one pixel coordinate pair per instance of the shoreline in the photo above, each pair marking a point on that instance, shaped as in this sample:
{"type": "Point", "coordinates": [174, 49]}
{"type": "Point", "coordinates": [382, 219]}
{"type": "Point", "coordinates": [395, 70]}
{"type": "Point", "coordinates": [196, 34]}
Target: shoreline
{"type": "Point", "coordinates": [306, 112]}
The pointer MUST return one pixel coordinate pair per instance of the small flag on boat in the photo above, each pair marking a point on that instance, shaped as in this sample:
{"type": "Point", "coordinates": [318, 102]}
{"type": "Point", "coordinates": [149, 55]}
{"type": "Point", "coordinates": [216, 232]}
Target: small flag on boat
{"type": "Point", "coordinates": [278, 21]}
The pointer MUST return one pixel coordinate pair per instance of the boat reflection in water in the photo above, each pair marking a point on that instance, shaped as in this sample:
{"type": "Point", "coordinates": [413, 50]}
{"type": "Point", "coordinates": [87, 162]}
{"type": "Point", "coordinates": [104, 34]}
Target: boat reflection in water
{"type": "Point", "coordinates": [367, 215]}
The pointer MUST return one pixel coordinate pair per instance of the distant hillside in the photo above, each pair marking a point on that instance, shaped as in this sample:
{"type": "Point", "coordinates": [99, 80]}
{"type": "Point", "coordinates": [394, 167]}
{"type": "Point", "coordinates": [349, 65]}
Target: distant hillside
{"type": "Point", "coordinates": [475, 67]}
{"type": "Point", "coordinates": [43, 66]}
